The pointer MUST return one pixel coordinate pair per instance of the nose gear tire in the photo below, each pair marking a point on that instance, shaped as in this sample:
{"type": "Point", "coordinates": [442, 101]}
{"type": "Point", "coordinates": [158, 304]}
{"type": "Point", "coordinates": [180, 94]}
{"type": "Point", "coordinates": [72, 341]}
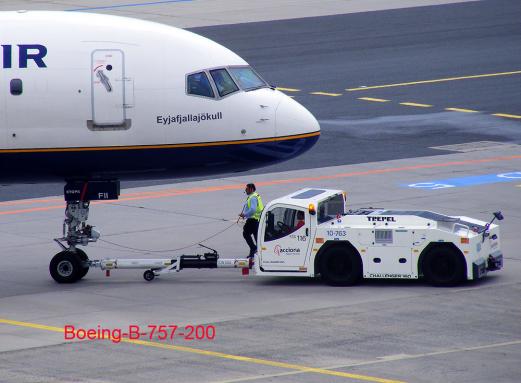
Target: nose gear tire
{"type": "Point", "coordinates": [66, 267]}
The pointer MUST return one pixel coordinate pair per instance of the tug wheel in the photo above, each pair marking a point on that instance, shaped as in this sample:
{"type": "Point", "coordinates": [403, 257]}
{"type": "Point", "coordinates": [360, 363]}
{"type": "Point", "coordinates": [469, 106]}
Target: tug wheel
{"type": "Point", "coordinates": [66, 267]}
{"type": "Point", "coordinates": [340, 266]}
{"type": "Point", "coordinates": [149, 275]}
{"type": "Point", "coordinates": [443, 266]}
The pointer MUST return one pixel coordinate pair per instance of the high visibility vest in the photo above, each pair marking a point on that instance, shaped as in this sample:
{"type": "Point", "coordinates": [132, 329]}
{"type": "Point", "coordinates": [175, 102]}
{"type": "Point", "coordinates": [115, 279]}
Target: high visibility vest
{"type": "Point", "coordinates": [260, 206]}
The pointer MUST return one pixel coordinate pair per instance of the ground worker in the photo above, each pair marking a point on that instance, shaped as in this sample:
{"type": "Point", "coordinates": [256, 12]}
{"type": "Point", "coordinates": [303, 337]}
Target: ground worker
{"type": "Point", "coordinates": [251, 210]}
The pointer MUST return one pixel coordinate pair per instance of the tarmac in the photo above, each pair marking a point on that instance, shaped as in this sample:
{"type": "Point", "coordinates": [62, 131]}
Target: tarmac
{"type": "Point", "coordinates": [384, 154]}
{"type": "Point", "coordinates": [393, 330]}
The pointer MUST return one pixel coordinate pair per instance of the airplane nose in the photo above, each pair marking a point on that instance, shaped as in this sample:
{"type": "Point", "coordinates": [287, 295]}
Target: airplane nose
{"type": "Point", "coordinates": [294, 119]}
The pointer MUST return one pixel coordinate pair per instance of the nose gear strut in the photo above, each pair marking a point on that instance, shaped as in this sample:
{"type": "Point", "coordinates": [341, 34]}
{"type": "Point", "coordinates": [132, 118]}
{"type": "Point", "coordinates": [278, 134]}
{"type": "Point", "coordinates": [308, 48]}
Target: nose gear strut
{"type": "Point", "coordinates": [72, 264]}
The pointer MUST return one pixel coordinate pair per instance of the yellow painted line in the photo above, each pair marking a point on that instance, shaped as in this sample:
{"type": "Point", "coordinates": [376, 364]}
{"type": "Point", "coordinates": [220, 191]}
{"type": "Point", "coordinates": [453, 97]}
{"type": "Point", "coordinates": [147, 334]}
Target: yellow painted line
{"type": "Point", "coordinates": [517, 117]}
{"type": "Point", "coordinates": [171, 146]}
{"type": "Point", "coordinates": [373, 99]}
{"type": "Point", "coordinates": [396, 358]}
{"type": "Point", "coordinates": [462, 110]}
{"type": "Point", "coordinates": [434, 81]}
{"type": "Point", "coordinates": [326, 94]}
{"type": "Point", "coordinates": [415, 104]}
{"type": "Point", "coordinates": [288, 89]}
{"type": "Point", "coordinates": [31, 325]}
{"type": "Point", "coordinates": [192, 350]}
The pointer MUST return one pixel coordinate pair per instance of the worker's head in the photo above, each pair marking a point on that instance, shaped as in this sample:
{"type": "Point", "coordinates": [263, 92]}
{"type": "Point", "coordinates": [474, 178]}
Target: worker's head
{"type": "Point", "coordinates": [300, 215]}
{"type": "Point", "coordinates": [250, 188]}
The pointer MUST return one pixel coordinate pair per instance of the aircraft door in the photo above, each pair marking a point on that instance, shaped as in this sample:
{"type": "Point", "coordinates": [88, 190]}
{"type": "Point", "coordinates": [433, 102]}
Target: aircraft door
{"type": "Point", "coordinates": [108, 87]}
{"type": "Point", "coordinates": [285, 239]}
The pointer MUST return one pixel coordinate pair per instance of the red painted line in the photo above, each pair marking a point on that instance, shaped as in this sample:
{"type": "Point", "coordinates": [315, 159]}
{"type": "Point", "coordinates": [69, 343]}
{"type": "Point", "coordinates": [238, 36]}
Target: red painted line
{"type": "Point", "coordinates": [179, 192]}
{"type": "Point", "coordinates": [29, 201]}
{"type": "Point", "coordinates": [58, 200]}
{"type": "Point", "coordinates": [35, 209]}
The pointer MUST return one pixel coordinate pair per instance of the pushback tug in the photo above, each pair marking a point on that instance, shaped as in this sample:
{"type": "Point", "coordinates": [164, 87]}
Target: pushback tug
{"type": "Point", "coordinates": [310, 233]}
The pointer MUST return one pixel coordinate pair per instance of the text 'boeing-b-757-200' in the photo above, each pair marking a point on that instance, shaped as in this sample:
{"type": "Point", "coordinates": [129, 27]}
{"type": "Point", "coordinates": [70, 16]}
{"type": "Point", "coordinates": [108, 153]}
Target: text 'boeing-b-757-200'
{"type": "Point", "coordinates": [92, 99]}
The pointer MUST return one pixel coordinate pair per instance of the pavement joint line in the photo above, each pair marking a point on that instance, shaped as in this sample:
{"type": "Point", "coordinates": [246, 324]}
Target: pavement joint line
{"type": "Point", "coordinates": [222, 355]}
{"type": "Point", "coordinates": [434, 81]}
{"type": "Point", "coordinates": [200, 190]}
{"type": "Point", "coordinates": [395, 358]}
{"type": "Point", "coordinates": [287, 89]}
{"type": "Point", "coordinates": [416, 104]}
{"type": "Point", "coordinates": [373, 99]}
{"type": "Point", "coordinates": [462, 110]}
{"type": "Point", "coordinates": [326, 94]}
{"type": "Point", "coordinates": [515, 116]}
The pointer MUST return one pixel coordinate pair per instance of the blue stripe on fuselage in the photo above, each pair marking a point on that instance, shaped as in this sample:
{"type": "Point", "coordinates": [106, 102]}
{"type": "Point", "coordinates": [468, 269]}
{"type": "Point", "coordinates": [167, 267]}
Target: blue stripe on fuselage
{"type": "Point", "coordinates": [126, 5]}
{"type": "Point", "coordinates": [153, 163]}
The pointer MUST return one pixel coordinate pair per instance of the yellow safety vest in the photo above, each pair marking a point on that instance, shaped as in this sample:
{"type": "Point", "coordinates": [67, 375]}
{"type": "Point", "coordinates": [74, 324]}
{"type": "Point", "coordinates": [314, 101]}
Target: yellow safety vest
{"type": "Point", "coordinates": [260, 206]}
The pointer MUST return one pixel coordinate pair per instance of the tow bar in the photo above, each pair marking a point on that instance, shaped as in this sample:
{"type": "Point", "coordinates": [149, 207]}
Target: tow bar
{"type": "Point", "coordinates": [161, 266]}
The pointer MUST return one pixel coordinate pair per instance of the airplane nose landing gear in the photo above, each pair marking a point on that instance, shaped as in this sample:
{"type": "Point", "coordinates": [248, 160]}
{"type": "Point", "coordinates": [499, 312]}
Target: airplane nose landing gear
{"type": "Point", "coordinates": [72, 264]}
{"type": "Point", "coordinates": [75, 228]}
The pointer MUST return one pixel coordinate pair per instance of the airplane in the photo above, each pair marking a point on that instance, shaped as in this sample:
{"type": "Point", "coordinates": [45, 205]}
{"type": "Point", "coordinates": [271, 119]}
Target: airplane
{"type": "Point", "coordinates": [92, 99]}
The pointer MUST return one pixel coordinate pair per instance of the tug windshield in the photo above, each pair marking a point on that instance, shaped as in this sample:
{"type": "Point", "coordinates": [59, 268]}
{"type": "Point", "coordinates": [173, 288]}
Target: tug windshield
{"type": "Point", "coordinates": [330, 208]}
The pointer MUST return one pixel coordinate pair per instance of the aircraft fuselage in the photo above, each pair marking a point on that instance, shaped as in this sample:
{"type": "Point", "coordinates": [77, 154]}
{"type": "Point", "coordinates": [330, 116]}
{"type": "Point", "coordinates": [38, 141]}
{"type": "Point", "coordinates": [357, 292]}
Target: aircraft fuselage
{"type": "Point", "coordinates": [85, 96]}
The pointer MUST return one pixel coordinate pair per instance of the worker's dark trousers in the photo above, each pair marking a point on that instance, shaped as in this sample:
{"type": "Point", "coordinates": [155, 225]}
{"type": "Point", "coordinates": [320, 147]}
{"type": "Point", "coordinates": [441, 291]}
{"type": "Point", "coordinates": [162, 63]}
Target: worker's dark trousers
{"type": "Point", "coordinates": [250, 228]}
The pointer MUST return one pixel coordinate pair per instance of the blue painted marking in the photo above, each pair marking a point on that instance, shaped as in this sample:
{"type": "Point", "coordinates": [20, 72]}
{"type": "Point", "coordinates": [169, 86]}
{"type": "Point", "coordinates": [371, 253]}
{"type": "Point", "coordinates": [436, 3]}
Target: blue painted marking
{"type": "Point", "coordinates": [127, 5]}
{"type": "Point", "coordinates": [467, 181]}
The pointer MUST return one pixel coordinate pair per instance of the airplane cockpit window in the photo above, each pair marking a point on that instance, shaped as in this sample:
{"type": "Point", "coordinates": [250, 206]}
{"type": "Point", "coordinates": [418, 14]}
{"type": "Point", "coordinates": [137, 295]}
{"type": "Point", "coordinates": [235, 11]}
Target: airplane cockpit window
{"type": "Point", "coordinates": [247, 78]}
{"type": "Point", "coordinates": [199, 85]}
{"type": "Point", "coordinates": [224, 82]}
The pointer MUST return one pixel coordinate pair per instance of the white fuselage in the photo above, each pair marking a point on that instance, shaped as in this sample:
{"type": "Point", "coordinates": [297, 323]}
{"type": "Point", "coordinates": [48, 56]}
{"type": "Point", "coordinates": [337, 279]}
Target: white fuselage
{"type": "Point", "coordinates": [96, 87]}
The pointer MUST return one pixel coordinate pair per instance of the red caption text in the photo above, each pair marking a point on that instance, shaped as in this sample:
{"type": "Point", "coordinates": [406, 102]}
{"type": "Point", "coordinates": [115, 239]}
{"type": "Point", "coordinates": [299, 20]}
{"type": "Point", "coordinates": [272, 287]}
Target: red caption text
{"type": "Point", "coordinates": [168, 332]}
